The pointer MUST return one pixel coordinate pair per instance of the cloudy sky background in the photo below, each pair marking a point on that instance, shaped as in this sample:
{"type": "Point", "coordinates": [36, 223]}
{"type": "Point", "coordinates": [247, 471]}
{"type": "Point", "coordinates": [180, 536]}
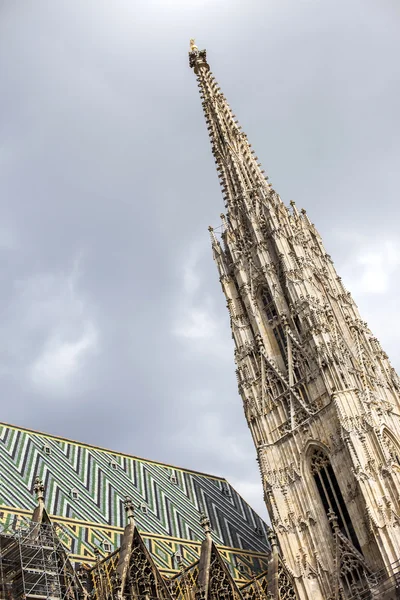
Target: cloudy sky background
{"type": "Point", "coordinates": [113, 328]}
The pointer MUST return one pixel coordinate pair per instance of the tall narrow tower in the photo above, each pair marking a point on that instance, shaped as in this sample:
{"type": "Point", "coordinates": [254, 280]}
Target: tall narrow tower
{"type": "Point", "coordinates": [319, 394]}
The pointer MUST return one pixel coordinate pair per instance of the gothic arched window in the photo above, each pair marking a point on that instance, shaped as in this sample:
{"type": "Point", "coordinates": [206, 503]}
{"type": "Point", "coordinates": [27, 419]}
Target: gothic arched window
{"type": "Point", "coordinates": [280, 337]}
{"type": "Point", "coordinates": [296, 322]}
{"type": "Point", "coordinates": [268, 304]}
{"type": "Point", "coordinates": [331, 495]}
{"type": "Point", "coordinates": [302, 390]}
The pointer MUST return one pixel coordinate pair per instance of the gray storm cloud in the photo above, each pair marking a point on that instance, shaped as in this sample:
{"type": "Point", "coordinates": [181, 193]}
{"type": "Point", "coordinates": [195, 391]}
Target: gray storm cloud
{"type": "Point", "coordinates": [114, 330]}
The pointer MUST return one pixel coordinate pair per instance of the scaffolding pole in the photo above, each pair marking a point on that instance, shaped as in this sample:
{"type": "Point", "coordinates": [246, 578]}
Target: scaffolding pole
{"type": "Point", "coordinates": [34, 564]}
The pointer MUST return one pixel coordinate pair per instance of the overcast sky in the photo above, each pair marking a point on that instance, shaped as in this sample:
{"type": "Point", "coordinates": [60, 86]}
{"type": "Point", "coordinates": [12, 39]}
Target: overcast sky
{"type": "Point", "coordinates": [113, 327]}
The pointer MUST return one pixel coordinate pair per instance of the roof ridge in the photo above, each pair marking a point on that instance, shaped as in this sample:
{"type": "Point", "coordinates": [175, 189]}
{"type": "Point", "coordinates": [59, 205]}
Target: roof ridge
{"type": "Point", "coordinates": [115, 452]}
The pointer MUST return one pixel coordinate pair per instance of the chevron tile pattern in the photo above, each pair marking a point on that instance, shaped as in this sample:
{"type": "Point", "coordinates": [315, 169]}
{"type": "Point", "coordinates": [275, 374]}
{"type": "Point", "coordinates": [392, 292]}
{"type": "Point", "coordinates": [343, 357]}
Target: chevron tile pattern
{"type": "Point", "coordinates": [86, 487]}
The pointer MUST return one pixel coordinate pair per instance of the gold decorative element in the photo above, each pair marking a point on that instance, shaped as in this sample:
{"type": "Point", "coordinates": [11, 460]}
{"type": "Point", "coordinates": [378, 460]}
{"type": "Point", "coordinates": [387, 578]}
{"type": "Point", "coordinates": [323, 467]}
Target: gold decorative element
{"type": "Point", "coordinates": [193, 47]}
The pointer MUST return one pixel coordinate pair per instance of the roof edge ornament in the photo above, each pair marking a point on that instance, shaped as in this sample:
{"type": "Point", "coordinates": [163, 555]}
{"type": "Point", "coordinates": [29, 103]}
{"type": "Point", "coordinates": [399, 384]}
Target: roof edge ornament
{"type": "Point", "coordinates": [39, 490]}
{"type": "Point", "coordinates": [129, 509]}
{"type": "Point", "coordinates": [206, 525]}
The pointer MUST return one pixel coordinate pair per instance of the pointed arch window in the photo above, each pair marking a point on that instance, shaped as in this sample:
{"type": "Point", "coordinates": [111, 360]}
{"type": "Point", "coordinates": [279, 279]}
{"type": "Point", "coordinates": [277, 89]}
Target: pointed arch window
{"type": "Point", "coordinates": [302, 390]}
{"type": "Point", "coordinates": [331, 495]}
{"type": "Point", "coordinates": [271, 314]}
{"type": "Point", "coordinates": [268, 304]}
{"type": "Point", "coordinates": [280, 337]}
{"type": "Point", "coordinates": [297, 323]}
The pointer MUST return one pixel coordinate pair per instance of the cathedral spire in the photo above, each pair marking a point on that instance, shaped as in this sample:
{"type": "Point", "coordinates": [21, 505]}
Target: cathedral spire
{"type": "Point", "coordinates": [319, 394]}
{"type": "Point", "coordinates": [238, 170]}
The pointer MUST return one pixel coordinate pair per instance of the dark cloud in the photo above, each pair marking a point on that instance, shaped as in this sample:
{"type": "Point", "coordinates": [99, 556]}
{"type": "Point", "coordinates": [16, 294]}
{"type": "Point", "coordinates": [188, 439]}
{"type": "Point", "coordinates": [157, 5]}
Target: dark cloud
{"type": "Point", "coordinates": [113, 327]}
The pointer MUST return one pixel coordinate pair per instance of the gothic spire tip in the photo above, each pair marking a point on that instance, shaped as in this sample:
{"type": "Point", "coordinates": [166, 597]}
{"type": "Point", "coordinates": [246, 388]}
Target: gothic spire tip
{"type": "Point", "coordinates": [197, 58]}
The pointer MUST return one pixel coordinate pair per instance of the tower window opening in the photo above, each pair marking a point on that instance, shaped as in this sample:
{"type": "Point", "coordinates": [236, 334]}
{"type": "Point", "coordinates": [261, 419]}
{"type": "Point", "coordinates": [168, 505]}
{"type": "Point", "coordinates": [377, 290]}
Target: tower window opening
{"type": "Point", "coordinates": [297, 324]}
{"type": "Point", "coordinates": [331, 495]}
{"type": "Point", "coordinates": [280, 337]}
{"type": "Point", "coordinates": [301, 388]}
{"type": "Point", "coordinates": [297, 372]}
{"type": "Point", "coordinates": [268, 304]}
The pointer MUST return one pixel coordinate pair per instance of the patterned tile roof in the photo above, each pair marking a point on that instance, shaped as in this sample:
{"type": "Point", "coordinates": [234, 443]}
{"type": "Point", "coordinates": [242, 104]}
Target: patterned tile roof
{"type": "Point", "coordinates": [86, 487]}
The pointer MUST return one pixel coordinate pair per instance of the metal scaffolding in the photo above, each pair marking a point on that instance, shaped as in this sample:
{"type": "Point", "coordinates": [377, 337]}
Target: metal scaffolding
{"type": "Point", "coordinates": [34, 564]}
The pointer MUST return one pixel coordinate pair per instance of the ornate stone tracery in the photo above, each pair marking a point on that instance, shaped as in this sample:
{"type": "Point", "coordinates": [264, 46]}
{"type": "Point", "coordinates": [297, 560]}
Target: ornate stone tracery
{"type": "Point", "coordinates": [392, 446]}
{"type": "Point", "coordinates": [285, 585]}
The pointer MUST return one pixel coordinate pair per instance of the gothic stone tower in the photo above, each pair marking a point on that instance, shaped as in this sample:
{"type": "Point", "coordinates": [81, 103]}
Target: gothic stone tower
{"type": "Point", "coordinates": [320, 397]}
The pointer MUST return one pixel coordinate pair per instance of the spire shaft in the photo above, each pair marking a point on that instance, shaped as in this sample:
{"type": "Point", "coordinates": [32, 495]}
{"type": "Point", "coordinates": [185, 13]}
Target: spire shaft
{"type": "Point", "coordinates": [238, 170]}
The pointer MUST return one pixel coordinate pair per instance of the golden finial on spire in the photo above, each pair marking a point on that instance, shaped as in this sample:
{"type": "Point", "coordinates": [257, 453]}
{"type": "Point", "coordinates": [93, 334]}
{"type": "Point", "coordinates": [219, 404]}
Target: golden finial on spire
{"type": "Point", "coordinates": [193, 47]}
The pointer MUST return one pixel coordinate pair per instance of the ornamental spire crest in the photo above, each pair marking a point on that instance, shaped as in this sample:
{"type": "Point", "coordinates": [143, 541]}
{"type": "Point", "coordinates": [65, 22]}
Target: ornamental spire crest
{"type": "Point", "coordinates": [238, 169]}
